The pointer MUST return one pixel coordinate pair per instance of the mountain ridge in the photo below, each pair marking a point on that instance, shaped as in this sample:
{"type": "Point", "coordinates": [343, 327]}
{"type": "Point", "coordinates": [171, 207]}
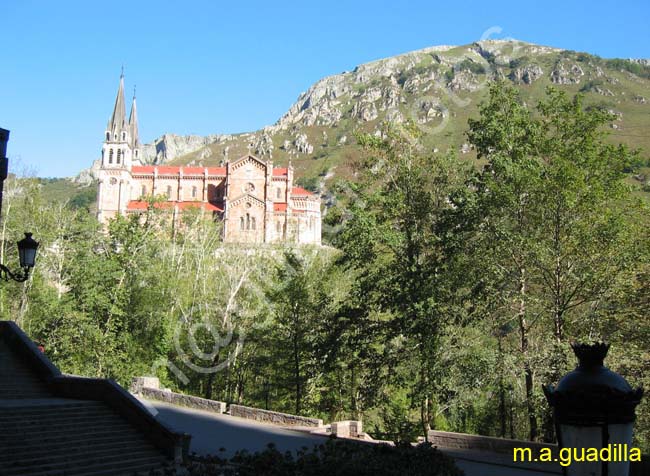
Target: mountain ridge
{"type": "Point", "coordinates": [437, 88]}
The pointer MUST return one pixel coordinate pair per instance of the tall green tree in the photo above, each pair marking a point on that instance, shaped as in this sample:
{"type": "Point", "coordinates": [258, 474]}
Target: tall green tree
{"type": "Point", "coordinates": [557, 223]}
{"type": "Point", "coordinates": [403, 245]}
{"type": "Point", "coordinates": [304, 294]}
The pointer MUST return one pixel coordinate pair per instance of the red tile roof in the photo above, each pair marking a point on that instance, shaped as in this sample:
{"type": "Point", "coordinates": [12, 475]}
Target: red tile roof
{"type": "Point", "coordinates": [193, 170]}
{"type": "Point", "coordinates": [279, 207]}
{"type": "Point", "coordinates": [168, 170]}
{"type": "Point", "coordinates": [173, 170]}
{"type": "Point", "coordinates": [280, 171]}
{"type": "Point", "coordinates": [137, 205]}
{"type": "Point", "coordinates": [300, 191]}
{"type": "Point", "coordinates": [142, 169]}
{"type": "Point", "coordinates": [216, 171]}
{"type": "Point", "coordinates": [142, 205]}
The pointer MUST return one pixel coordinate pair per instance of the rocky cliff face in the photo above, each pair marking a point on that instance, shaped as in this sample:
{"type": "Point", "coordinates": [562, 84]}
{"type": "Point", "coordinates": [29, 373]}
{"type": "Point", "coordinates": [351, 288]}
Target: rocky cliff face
{"type": "Point", "coordinates": [436, 89]}
{"type": "Point", "coordinates": [170, 146]}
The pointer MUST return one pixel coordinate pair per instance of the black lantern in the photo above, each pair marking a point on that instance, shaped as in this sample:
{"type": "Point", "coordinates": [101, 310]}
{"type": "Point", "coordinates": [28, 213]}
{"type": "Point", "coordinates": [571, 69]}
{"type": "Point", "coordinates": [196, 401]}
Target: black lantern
{"type": "Point", "coordinates": [594, 412]}
{"type": "Point", "coordinates": [27, 255]}
{"type": "Point", "coordinates": [27, 251]}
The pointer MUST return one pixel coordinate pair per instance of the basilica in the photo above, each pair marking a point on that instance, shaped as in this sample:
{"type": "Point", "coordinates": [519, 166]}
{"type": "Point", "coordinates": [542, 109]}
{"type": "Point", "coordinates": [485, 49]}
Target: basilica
{"type": "Point", "coordinates": [256, 202]}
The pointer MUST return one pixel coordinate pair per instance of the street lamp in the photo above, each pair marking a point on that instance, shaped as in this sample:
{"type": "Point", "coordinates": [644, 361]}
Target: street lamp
{"type": "Point", "coordinates": [27, 246]}
{"type": "Point", "coordinates": [27, 254]}
{"type": "Point", "coordinates": [594, 412]}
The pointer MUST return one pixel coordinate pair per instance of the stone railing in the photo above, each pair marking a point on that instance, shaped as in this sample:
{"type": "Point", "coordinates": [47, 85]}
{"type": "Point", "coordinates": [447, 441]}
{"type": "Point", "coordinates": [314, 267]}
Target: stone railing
{"type": "Point", "coordinates": [463, 441]}
{"type": "Point", "coordinates": [276, 418]}
{"type": "Point", "coordinates": [149, 387]}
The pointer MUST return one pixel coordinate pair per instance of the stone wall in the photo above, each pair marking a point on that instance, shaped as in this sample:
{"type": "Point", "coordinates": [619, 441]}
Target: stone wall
{"type": "Point", "coordinates": [462, 441]}
{"type": "Point", "coordinates": [276, 418]}
{"type": "Point", "coordinates": [184, 400]}
{"type": "Point", "coordinates": [149, 387]}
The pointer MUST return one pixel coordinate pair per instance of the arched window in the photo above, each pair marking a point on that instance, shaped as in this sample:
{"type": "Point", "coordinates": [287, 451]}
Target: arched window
{"type": "Point", "coordinates": [241, 223]}
{"type": "Point", "coordinates": [278, 192]}
{"type": "Point", "coordinates": [108, 136]}
{"type": "Point", "coordinates": [144, 190]}
{"type": "Point", "coordinates": [136, 153]}
{"type": "Point", "coordinates": [252, 223]}
{"type": "Point", "coordinates": [123, 136]}
{"type": "Point", "coordinates": [169, 192]}
{"type": "Point", "coordinates": [110, 156]}
{"type": "Point", "coordinates": [248, 221]}
{"type": "Point", "coordinates": [278, 227]}
{"type": "Point", "coordinates": [119, 155]}
{"type": "Point", "coordinates": [194, 192]}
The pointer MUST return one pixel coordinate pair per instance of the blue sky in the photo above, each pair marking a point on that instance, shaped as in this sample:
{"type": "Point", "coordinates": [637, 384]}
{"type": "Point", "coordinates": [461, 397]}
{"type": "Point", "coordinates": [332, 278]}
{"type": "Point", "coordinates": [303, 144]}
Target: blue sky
{"type": "Point", "coordinates": [222, 67]}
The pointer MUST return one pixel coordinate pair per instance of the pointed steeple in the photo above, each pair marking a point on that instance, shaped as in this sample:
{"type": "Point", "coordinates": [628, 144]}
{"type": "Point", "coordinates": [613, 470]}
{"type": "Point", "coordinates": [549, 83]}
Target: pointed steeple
{"type": "Point", "coordinates": [117, 122]}
{"type": "Point", "coordinates": [133, 124]}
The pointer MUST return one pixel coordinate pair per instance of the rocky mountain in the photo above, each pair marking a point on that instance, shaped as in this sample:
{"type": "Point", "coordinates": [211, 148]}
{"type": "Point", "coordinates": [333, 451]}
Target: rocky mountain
{"type": "Point", "coordinates": [170, 146]}
{"type": "Point", "coordinates": [437, 89]}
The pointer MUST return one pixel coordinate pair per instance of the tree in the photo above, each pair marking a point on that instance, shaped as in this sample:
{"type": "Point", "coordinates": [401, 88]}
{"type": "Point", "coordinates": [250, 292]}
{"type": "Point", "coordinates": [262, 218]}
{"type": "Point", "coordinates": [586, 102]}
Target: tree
{"type": "Point", "coordinates": [303, 296]}
{"type": "Point", "coordinates": [557, 222]}
{"type": "Point", "coordinates": [402, 241]}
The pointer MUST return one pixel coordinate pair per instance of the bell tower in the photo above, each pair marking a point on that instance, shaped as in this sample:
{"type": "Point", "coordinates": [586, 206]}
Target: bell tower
{"type": "Point", "coordinates": [120, 148]}
{"type": "Point", "coordinates": [118, 137]}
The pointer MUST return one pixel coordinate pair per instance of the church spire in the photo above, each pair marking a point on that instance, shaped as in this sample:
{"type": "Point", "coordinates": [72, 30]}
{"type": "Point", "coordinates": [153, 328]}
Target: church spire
{"type": "Point", "coordinates": [133, 124]}
{"type": "Point", "coordinates": [117, 122]}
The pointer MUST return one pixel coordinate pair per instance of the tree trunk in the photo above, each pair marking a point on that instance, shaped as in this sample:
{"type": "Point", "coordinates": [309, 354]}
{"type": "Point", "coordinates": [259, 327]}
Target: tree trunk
{"type": "Point", "coordinates": [502, 394]}
{"type": "Point", "coordinates": [210, 382]}
{"type": "Point", "coordinates": [528, 373]}
{"type": "Point", "coordinates": [425, 417]}
{"type": "Point", "coordinates": [558, 309]}
{"type": "Point", "coordinates": [530, 407]}
{"type": "Point", "coordinates": [353, 392]}
{"type": "Point", "coordinates": [296, 375]}
{"type": "Point", "coordinates": [425, 406]}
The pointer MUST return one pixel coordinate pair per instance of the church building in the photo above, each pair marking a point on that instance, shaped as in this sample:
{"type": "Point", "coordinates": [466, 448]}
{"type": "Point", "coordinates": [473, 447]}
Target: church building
{"type": "Point", "coordinates": [256, 201]}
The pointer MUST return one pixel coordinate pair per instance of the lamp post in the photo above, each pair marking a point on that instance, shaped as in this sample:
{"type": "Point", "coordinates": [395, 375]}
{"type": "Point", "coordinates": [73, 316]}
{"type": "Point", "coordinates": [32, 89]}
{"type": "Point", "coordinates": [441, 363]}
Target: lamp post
{"type": "Point", "coordinates": [594, 412]}
{"type": "Point", "coordinates": [27, 246]}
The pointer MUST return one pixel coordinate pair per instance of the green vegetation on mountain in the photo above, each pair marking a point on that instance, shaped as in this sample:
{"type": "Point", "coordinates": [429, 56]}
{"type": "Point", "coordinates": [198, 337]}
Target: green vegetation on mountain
{"type": "Point", "coordinates": [63, 190]}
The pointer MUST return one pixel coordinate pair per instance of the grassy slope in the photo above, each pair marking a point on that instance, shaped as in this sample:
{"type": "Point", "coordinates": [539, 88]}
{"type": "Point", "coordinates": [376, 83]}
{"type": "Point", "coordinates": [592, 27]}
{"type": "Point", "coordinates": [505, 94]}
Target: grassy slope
{"type": "Point", "coordinates": [65, 191]}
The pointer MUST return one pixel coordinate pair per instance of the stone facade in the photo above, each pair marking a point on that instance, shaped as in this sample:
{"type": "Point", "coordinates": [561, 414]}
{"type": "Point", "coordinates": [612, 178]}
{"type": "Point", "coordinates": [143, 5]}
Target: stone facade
{"type": "Point", "coordinates": [256, 201]}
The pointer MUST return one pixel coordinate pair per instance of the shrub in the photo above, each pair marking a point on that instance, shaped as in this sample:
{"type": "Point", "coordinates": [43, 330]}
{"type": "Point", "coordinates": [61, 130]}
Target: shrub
{"type": "Point", "coordinates": [312, 184]}
{"type": "Point", "coordinates": [469, 65]}
{"type": "Point", "coordinates": [638, 69]}
{"type": "Point", "coordinates": [334, 458]}
{"type": "Point", "coordinates": [517, 62]}
{"type": "Point", "coordinates": [591, 85]}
